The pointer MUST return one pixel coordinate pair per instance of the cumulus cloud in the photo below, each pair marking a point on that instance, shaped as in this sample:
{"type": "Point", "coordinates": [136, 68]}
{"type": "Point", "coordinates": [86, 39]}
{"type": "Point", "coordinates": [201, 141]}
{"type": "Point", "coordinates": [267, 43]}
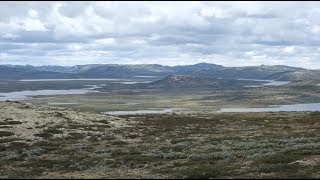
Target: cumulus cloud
{"type": "Point", "coordinates": [289, 49]}
{"type": "Point", "coordinates": [168, 33]}
{"type": "Point", "coordinates": [105, 41]}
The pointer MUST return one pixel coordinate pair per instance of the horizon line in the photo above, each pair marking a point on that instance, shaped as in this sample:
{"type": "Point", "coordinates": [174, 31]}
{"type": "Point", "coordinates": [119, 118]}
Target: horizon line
{"type": "Point", "coordinates": [123, 64]}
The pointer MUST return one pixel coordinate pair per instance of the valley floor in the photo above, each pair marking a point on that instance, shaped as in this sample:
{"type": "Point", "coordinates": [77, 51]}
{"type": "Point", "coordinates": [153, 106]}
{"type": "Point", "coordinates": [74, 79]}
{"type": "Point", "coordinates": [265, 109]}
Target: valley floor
{"type": "Point", "coordinates": [53, 142]}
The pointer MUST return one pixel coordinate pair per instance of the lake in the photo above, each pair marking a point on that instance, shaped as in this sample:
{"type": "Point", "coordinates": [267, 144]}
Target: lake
{"type": "Point", "coordinates": [80, 79]}
{"type": "Point", "coordinates": [134, 82]}
{"type": "Point", "coordinates": [148, 111]}
{"type": "Point", "coordinates": [147, 76]}
{"type": "Point", "coordinates": [277, 108]}
{"type": "Point", "coordinates": [268, 82]}
{"type": "Point", "coordinates": [23, 95]}
{"type": "Point", "coordinates": [121, 81]}
{"type": "Point", "coordinates": [61, 103]}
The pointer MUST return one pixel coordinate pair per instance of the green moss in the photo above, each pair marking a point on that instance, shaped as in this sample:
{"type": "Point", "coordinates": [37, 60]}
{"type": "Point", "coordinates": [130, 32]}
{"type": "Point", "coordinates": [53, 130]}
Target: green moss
{"type": "Point", "coordinates": [10, 122]}
{"type": "Point", "coordinates": [44, 135]}
{"type": "Point", "coordinates": [288, 156]}
{"type": "Point", "coordinates": [9, 139]}
{"type": "Point", "coordinates": [18, 145]}
{"type": "Point", "coordinates": [119, 143]}
{"type": "Point", "coordinates": [3, 148]}
{"type": "Point", "coordinates": [117, 153]}
{"type": "Point", "coordinates": [102, 121]}
{"type": "Point", "coordinates": [138, 159]}
{"type": "Point", "coordinates": [6, 133]}
{"type": "Point", "coordinates": [279, 158]}
{"type": "Point", "coordinates": [132, 136]}
{"type": "Point", "coordinates": [53, 131]}
{"type": "Point", "coordinates": [199, 172]}
{"type": "Point", "coordinates": [75, 136]}
{"type": "Point", "coordinates": [316, 168]}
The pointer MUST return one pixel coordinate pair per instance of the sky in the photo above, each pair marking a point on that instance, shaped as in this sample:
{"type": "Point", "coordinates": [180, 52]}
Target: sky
{"type": "Point", "coordinates": [168, 33]}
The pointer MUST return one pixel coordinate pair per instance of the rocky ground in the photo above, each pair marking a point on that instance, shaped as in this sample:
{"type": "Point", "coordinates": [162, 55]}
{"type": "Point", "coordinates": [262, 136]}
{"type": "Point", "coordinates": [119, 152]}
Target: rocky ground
{"type": "Point", "coordinates": [53, 142]}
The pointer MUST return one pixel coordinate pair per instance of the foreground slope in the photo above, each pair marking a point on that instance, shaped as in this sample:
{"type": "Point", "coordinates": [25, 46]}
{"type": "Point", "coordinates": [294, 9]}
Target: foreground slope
{"type": "Point", "coordinates": [51, 142]}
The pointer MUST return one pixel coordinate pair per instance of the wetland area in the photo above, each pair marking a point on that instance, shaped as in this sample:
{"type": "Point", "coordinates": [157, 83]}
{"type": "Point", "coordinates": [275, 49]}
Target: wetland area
{"type": "Point", "coordinates": [90, 95]}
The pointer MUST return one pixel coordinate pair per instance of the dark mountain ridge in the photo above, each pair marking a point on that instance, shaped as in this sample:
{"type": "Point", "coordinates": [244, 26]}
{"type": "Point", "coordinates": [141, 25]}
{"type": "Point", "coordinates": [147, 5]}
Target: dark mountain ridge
{"type": "Point", "coordinates": [207, 70]}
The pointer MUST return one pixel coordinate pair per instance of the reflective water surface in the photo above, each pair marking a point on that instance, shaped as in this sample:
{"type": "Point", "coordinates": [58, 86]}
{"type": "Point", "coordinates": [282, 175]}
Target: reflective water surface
{"type": "Point", "coordinates": [292, 107]}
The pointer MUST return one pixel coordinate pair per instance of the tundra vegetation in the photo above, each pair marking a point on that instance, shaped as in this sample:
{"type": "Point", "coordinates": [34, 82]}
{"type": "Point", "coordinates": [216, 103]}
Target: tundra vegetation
{"type": "Point", "coordinates": [38, 141]}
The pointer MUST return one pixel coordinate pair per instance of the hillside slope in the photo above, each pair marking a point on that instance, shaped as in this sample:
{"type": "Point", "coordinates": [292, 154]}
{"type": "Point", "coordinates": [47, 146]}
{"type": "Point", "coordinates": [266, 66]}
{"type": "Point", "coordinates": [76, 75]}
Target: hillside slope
{"type": "Point", "coordinates": [115, 70]}
{"type": "Point", "coordinates": [50, 142]}
{"type": "Point", "coordinates": [185, 82]}
{"type": "Point", "coordinates": [297, 75]}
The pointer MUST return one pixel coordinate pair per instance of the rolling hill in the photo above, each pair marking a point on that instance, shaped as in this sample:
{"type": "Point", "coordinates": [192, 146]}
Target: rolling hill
{"type": "Point", "coordinates": [299, 75]}
{"type": "Point", "coordinates": [186, 82]}
{"type": "Point", "coordinates": [204, 70]}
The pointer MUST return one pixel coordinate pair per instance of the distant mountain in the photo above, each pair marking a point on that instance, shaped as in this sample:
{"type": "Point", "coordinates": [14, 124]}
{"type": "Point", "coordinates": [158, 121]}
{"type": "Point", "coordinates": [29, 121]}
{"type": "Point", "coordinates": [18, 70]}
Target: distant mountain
{"type": "Point", "coordinates": [297, 75]}
{"type": "Point", "coordinates": [60, 69]}
{"type": "Point", "coordinates": [82, 71]}
{"type": "Point", "coordinates": [126, 70]}
{"type": "Point", "coordinates": [7, 72]}
{"type": "Point", "coordinates": [249, 72]}
{"type": "Point", "coordinates": [182, 81]}
{"type": "Point", "coordinates": [199, 66]}
{"type": "Point", "coordinates": [204, 70]}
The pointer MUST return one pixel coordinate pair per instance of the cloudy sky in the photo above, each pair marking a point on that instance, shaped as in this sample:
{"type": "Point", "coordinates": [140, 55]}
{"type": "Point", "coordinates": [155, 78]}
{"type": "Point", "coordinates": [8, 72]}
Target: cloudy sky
{"type": "Point", "coordinates": [168, 33]}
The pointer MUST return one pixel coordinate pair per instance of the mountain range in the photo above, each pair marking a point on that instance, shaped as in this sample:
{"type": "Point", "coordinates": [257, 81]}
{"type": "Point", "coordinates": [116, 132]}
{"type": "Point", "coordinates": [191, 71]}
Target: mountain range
{"type": "Point", "coordinates": [205, 70]}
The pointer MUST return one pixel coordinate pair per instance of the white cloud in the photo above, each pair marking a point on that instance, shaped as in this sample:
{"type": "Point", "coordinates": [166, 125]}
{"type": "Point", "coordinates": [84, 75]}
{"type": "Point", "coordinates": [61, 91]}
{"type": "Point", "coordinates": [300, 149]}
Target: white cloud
{"type": "Point", "coordinates": [4, 55]}
{"type": "Point", "coordinates": [250, 53]}
{"type": "Point", "coordinates": [10, 36]}
{"type": "Point", "coordinates": [213, 12]}
{"type": "Point", "coordinates": [74, 47]}
{"type": "Point", "coordinates": [228, 33]}
{"type": "Point", "coordinates": [289, 49]}
{"type": "Point", "coordinates": [33, 13]}
{"type": "Point", "coordinates": [34, 25]}
{"type": "Point", "coordinates": [315, 29]}
{"type": "Point", "coordinates": [105, 41]}
{"type": "Point", "coordinates": [137, 41]}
